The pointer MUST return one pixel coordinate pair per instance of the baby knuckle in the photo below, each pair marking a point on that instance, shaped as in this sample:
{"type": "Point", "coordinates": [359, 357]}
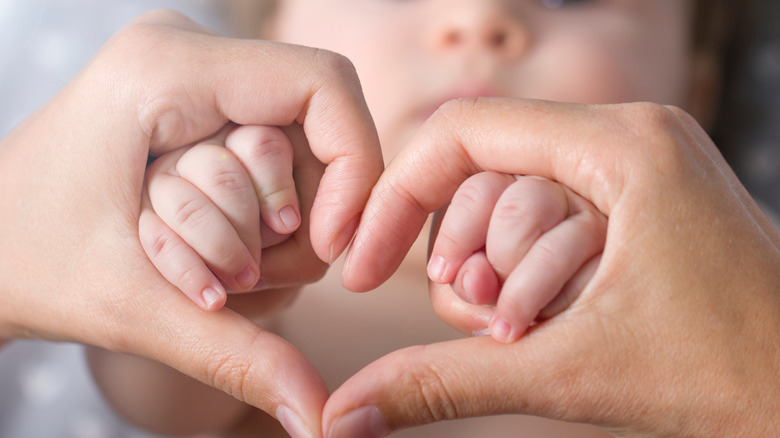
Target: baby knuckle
{"type": "Point", "coordinates": [229, 180]}
{"type": "Point", "coordinates": [449, 238]}
{"type": "Point", "coordinates": [271, 148]}
{"type": "Point", "coordinates": [188, 275]}
{"type": "Point", "coordinates": [470, 195]}
{"type": "Point", "coordinates": [549, 255]}
{"type": "Point", "coordinates": [160, 245]}
{"type": "Point", "coordinates": [190, 213]}
{"type": "Point", "coordinates": [263, 153]}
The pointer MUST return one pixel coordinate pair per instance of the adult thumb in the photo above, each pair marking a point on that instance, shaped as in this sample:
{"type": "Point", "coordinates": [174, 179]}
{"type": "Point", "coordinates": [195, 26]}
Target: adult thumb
{"type": "Point", "coordinates": [469, 377]}
{"type": "Point", "coordinates": [226, 350]}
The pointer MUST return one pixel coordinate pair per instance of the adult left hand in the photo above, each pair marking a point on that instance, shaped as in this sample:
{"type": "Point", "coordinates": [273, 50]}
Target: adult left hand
{"type": "Point", "coordinates": [677, 333]}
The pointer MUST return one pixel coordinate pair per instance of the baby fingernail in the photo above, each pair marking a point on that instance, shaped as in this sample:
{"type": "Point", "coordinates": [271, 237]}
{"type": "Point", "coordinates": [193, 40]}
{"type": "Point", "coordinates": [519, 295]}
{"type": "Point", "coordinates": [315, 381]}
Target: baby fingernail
{"type": "Point", "coordinates": [211, 297]}
{"type": "Point", "coordinates": [289, 217]}
{"type": "Point", "coordinates": [246, 278]}
{"type": "Point", "coordinates": [502, 331]}
{"type": "Point", "coordinates": [292, 423]}
{"type": "Point", "coordinates": [365, 422]}
{"type": "Point", "coordinates": [436, 269]}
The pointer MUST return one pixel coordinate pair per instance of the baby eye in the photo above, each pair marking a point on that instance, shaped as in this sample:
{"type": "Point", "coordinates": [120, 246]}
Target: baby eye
{"type": "Point", "coordinates": [558, 4]}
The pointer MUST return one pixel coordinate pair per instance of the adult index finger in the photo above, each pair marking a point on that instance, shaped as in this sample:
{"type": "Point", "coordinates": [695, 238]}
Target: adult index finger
{"type": "Point", "coordinates": [562, 142]}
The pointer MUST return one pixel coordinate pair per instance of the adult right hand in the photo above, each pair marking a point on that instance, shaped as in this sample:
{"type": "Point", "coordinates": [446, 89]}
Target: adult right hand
{"type": "Point", "coordinates": [72, 267]}
{"type": "Point", "coordinates": [676, 334]}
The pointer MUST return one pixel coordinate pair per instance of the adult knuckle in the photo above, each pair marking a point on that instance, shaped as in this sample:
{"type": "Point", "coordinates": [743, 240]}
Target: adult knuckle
{"type": "Point", "coordinates": [454, 111]}
{"type": "Point", "coordinates": [161, 16]}
{"type": "Point", "coordinates": [435, 395]}
{"type": "Point", "coordinates": [335, 64]}
{"type": "Point", "coordinates": [659, 139]}
{"type": "Point", "coordinates": [228, 373]}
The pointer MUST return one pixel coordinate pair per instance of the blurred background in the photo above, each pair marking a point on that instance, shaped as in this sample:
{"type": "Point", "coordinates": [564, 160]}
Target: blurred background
{"type": "Point", "coordinates": [45, 389]}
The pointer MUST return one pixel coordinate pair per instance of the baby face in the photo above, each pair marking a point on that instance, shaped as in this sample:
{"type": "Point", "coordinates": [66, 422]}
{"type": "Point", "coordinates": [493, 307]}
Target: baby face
{"type": "Point", "coordinates": [413, 55]}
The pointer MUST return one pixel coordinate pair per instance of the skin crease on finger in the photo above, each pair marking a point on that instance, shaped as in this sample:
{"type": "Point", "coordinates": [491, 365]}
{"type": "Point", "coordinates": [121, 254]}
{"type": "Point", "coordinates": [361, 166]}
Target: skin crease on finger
{"type": "Point", "coordinates": [413, 56]}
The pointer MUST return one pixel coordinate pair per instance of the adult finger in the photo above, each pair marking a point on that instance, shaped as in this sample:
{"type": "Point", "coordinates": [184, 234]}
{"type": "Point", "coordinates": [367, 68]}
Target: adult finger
{"type": "Point", "coordinates": [266, 153]}
{"type": "Point", "coordinates": [671, 259]}
{"type": "Point", "coordinates": [467, 136]}
{"type": "Point", "coordinates": [248, 83]}
{"type": "Point", "coordinates": [458, 379]}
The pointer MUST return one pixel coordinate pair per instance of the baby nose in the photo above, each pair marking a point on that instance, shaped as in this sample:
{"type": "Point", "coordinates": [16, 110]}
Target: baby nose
{"type": "Point", "coordinates": [485, 26]}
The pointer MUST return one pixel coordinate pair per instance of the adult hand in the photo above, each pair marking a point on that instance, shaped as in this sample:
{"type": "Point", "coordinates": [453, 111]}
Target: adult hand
{"type": "Point", "coordinates": [72, 267]}
{"type": "Point", "coordinates": [676, 334]}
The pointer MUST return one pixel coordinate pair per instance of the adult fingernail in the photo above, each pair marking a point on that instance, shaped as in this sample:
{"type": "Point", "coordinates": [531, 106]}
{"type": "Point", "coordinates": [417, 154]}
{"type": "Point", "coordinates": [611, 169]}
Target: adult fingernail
{"type": "Point", "coordinates": [365, 422]}
{"type": "Point", "coordinates": [289, 217]}
{"type": "Point", "coordinates": [246, 278]}
{"type": "Point", "coordinates": [502, 330]}
{"type": "Point", "coordinates": [342, 240]}
{"type": "Point", "coordinates": [292, 423]}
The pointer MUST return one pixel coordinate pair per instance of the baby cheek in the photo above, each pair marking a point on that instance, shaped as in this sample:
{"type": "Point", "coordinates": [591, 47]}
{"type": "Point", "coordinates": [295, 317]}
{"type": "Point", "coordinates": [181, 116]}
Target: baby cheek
{"type": "Point", "coordinates": [587, 74]}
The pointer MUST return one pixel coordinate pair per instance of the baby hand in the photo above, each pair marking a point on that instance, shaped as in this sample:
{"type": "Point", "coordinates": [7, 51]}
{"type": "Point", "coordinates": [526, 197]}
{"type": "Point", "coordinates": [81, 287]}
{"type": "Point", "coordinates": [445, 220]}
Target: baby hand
{"type": "Point", "coordinates": [210, 209]}
{"type": "Point", "coordinates": [525, 245]}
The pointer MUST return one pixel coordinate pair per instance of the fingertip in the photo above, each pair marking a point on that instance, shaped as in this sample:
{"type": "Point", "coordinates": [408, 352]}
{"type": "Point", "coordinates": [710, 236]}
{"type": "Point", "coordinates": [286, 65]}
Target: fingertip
{"type": "Point", "coordinates": [363, 422]}
{"type": "Point", "coordinates": [476, 281]}
{"type": "Point", "coordinates": [342, 240]}
{"type": "Point", "coordinates": [246, 278]}
{"type": "Point", "coordinates": [289, 219]}
{"type": "Point", "coordinates": [503, 331]}
{"type": "Point", "coordinates": [292, 423]}
{"type": "Point", "coordinates": [438, 270]}
{"type": "Point", "coordinates": [213, 298]}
